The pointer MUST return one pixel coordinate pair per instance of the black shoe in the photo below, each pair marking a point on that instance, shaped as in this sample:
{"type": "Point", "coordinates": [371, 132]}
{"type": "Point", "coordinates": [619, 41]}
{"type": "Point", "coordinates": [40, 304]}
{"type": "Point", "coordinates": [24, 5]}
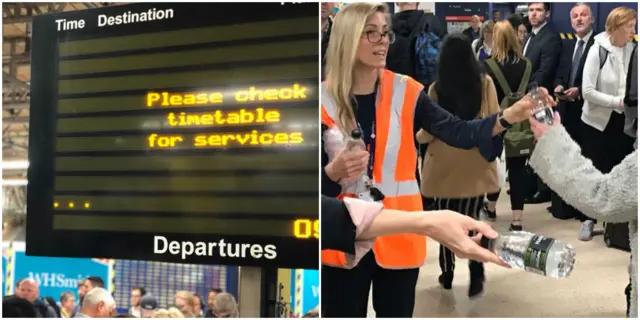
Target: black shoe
{"type": "Point", "coordinates": [491, 215]}
{"type": "Point", "coordinates": [446, 280]}
{"type": "Point", "coordinates": [476, 287]}
{"type": "Point", "coordinates": [514, 227]}
{"type": "Point", "coordinates": [549, 209]}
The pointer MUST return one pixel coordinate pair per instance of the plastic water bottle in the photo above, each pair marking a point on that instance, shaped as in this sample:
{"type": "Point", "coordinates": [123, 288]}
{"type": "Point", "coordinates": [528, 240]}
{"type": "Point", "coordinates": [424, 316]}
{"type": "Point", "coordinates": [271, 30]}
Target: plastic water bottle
{"type": "Point", "coordinates": [541, 111]}
{"type": "Point", "coordinates": [534, 253]}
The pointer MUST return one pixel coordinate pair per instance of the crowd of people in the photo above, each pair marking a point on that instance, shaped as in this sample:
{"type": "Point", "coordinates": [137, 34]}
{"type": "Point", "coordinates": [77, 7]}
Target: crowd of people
{"type": "Point", "coordinates": [94, 301]}
{"type": "Point", "coordinates": [466, 97]}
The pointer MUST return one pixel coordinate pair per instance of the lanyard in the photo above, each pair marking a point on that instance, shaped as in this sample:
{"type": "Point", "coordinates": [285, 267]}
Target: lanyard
{"type": "Point", "coordinates": [372, 136]}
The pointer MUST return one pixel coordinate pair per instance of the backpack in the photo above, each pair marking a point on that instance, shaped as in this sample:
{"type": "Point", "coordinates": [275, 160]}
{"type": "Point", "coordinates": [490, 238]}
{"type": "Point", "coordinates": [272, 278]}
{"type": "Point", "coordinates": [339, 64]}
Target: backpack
{"type": "Point", "coordinates": [427, 49]}
{"type": "Point", "coordinates": [518, 140]}
{"type": "Point", "coordinates": [602, 54]}
{"type": "Point", "coordinates": [415, 55]}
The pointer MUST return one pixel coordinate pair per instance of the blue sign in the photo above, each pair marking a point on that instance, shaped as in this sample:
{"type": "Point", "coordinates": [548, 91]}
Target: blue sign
{"type": "Point", "coordinates": [305, 290]}
{"type": "Point", "coordinates": [4, 270]}
{"type": "Point", "coordinates": [310, 289]}
{"type": "Point", "coordinates": [57, 275]}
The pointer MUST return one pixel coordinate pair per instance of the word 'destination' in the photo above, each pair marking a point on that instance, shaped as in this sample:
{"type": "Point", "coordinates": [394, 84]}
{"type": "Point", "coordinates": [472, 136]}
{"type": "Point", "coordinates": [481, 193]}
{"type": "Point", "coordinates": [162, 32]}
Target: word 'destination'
{"type": "Point", "coordinates": [249, 95]}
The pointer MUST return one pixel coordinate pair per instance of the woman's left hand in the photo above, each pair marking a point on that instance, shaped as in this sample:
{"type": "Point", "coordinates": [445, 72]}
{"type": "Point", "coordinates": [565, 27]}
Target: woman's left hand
{"type": "Point", "coordinates": [540, 128]}
{"type": "Point", "coordinates": [523, 109]}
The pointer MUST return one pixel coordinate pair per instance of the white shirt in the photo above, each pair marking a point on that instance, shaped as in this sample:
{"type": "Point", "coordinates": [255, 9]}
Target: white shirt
{"type": "Point", "coordinates": [621, 71]}
{"type": "Point", "coordinates": [135, 311]}
{"type": "Point", "coordinates": [535, 33]}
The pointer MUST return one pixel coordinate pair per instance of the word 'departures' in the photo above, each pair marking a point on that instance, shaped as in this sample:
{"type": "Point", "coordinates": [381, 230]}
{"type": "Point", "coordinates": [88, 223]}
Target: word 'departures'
{"type": "Point", "coordinates": [212, 140]}
{"type": "Point", "coordinates": [242, 116]}
{"type": "Point", "coordinates": [249, 95]}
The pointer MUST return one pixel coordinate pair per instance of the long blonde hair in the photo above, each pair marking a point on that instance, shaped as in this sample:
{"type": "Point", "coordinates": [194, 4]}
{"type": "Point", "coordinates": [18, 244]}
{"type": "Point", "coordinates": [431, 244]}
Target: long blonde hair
{"type": "Point", "coordinates": [505, 43]}
{"type": "Point", "coordinates": [346, 32]}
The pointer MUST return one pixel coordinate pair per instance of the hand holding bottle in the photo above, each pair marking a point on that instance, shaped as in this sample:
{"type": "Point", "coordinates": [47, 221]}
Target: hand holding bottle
{"type": "Point", "coordinates": [348, 165]}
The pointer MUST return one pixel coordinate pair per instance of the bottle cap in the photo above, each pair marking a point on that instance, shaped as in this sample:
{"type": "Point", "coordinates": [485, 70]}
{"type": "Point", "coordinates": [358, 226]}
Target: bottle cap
{"type": "Point", "coordinates": [486, 243]}
{"type": "Point", "coordinates": [356, 134]}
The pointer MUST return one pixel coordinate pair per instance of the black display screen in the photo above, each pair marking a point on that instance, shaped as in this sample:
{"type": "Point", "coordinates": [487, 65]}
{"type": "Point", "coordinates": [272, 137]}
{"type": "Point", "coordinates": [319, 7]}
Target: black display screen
{"type": "Point", "coordinates": [176, 132]}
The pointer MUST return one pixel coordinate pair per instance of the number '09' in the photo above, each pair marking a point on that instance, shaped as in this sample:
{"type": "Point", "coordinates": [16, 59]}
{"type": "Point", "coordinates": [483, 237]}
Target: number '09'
{"type": "Point", "coordinates": [305, 229]}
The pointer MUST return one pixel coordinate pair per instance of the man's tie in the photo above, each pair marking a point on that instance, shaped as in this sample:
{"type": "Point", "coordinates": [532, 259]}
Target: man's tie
{"type": "Point", "coordinates": [576, 63]}
{"type": "Point", "coordinates": [527, 43]}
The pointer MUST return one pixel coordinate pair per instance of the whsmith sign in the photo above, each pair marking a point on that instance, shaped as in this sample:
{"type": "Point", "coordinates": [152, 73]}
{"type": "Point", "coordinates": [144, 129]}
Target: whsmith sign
{"type": "Point", "coordinates": [54, 275]}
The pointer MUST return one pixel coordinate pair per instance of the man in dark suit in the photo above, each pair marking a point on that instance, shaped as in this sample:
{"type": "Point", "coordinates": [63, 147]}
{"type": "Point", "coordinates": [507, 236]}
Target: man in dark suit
{"type": "Point", "coordinates": [473, 32]}
{"type": "Point", "coordinates": [567, 89]}
{"type": "Point", "coordinates": [543, 48]}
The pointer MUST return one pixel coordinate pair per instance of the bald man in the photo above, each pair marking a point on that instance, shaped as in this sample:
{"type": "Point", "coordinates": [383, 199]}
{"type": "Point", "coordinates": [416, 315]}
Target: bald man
{"type": "Point", "coordinates": [29, 290]}
{"type": "Point", "coordinates": [98, 303]}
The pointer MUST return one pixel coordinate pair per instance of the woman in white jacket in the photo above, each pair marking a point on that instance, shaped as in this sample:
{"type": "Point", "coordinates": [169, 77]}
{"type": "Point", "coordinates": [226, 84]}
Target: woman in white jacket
{"type": "Point", "coordinates": [603, 91]}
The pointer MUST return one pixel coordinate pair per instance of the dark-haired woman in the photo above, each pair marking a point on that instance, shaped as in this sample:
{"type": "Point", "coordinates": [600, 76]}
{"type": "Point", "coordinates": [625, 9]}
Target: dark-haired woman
{"type": "Point", "coordinates": [458, 179]}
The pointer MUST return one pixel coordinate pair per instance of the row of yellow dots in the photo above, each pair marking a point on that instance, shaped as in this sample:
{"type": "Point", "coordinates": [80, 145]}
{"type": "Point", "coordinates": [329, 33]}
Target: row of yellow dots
{"type": "Point", "coordinates": [71, 205]}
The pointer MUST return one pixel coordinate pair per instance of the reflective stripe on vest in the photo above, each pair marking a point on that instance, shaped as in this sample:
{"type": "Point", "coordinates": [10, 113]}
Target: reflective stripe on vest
{"type": "Point", "coordinates": [393, 170]}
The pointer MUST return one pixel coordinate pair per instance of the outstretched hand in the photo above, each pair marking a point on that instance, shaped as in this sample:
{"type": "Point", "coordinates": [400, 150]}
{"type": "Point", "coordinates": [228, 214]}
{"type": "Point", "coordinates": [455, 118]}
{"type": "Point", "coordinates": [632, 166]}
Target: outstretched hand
{"type": "Point", "coordinates": [523, 109]}
{"type": "Point", "coordinates": [540, 128]}
{"type": "Point", "coordinates": [451, 229]}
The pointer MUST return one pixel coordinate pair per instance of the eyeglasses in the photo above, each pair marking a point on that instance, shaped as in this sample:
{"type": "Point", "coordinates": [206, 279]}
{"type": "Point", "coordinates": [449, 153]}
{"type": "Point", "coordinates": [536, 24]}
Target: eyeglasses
{"type": "Point", "coordinates": [376, 37]}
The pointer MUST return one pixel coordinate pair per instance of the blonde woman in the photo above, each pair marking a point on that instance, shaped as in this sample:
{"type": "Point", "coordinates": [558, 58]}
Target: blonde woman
{"type": "Point", "coordinates": [482, 46]}
{"type": "Point", "coordinates": [388, 109]}
{"type": "Point", "coordinates": [508, 69]}
{"type": "Point", "coordinates": [603, 88]}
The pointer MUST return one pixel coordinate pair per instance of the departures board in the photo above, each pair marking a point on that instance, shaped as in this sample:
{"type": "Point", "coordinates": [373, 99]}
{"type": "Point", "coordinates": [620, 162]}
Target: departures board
{"type": "Point", "coordinates": [176, 132]}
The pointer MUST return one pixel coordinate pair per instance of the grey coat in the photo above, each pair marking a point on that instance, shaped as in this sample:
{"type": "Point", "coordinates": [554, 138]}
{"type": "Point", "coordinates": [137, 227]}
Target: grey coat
{"type": "Point", "coordinates": [610, 198]}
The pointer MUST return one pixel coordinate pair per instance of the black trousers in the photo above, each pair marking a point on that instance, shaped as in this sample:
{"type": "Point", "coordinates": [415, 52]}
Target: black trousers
{"type": "Point", "coordinates": [517, 170]}
{"type": "Point", "coordinates": [345, 293]}
{"type": "Point", "coordinates": [607, 148]}
{"type": "Point", "coordinates": [469, 207]}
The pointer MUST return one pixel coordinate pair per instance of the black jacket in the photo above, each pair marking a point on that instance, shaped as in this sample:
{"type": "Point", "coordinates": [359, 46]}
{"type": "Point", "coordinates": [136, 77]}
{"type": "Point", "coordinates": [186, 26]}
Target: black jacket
{"type": "Point", "coordinates": [566, 59]}
{"type": "Point", "coordinates": [433, 119]}
{"type": "Point", "coordinates": [544, 52]}
{"type": "Point", "coordinates": [338, 230]}
{"type": "Point", "coordinates": [468, 32]}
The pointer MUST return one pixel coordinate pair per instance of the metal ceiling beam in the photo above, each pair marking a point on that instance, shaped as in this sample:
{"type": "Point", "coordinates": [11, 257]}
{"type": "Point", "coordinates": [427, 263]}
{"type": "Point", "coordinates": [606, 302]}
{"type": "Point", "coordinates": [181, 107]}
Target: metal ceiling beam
{"type": "Point", "coordinates": [14, 106]}
{"type": "Point", "coordinates": [17, 120]}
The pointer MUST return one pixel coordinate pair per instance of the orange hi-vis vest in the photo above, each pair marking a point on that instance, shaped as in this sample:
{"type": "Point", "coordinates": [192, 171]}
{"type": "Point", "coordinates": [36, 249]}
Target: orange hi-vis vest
{"type": "Point", "coordinates": [394, 168]}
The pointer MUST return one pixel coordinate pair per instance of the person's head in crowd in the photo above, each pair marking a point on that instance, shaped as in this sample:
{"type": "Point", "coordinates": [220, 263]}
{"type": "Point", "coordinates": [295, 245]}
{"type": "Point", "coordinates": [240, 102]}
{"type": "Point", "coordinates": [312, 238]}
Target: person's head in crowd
{"type": "Point", "coordinates": [459, 71]}
{"type": "Point", "coordinates": [93, 282]}
{"type": "Point", "coordinates": [515, 20]}
{"type": "Point", "coordinates": [621, 25]}
{"type": "Point", "coordinates": [487, 34]}
{"type": "Point", "coordinates": [16, 307]}
{"type": "Point", "coordinates": [211, 297]}
{"type": "Point", "coordinates": [475, 22]}
{"type": "Point", "coordinates": [506, 45]}
{"type": "Point", "coordinates": [226, 305]}
{"type": "Point", "coordinates": [326, 9]}
{"type": "Point", "coordinates": [28, 289]}
{"type": "Point", "coordinates": [68, 302]}
{"type": "Point", "coordinates": [495, 15]}
{"type": "Point", "coordinates": [161, 314]}
{"type": "Point", "coordinates": [98, 303]}
{"type": "Point", "coordinates": [185, 301]}
{"type": "Point", "coordinates": [581, 18]}
{"type": "Point", "coordinates": [125, 315]}
{"type": "Point", "coordinates": [358, 47]}
{"type": "Point", "coordinates": [175, 313]}
{"type": "Point", "coordinates": [198, 304]}
{"type": "Point", "coordinates": [538, 13]}
{"type": "Point", "coordinates": [148, 306]}
{"type": "Point", "coordinates": [136, 296]}
{"type": "Point", "coordinates": [406, 6]}
{"type": "Point", "coordinates": [82, 289]}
